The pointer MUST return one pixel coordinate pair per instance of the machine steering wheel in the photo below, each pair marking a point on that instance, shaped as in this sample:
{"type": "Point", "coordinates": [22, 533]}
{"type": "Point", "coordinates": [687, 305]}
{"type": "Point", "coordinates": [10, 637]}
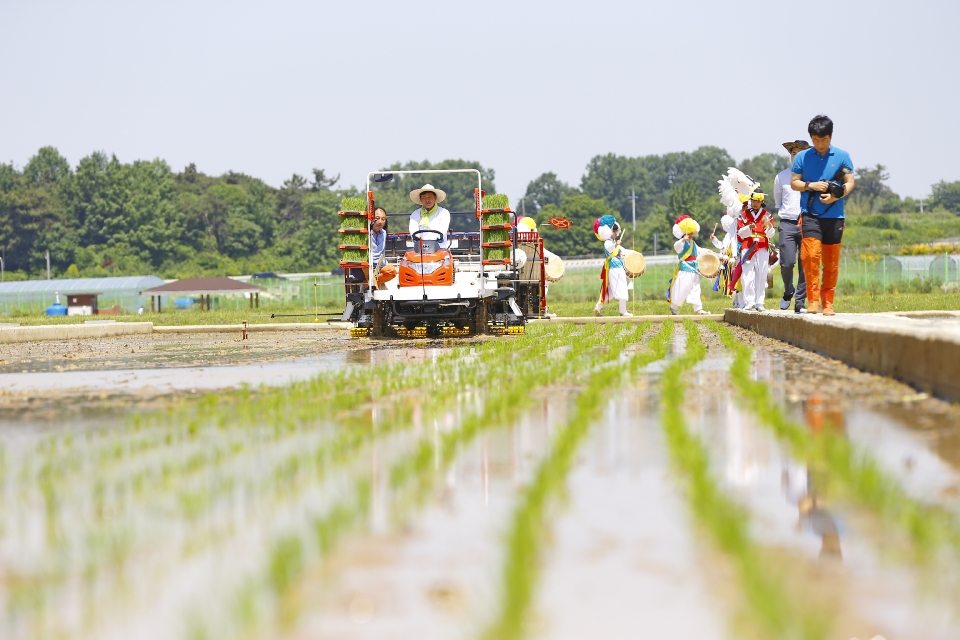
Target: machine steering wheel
{"type": "Point", "coordinates": [416, 234]}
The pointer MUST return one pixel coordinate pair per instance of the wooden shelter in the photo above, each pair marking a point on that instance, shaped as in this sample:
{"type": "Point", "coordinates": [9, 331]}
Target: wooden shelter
{"type": "Point", "coordinates": [204, 288]}
{"type": "Point", "coordinates": [82, 304]}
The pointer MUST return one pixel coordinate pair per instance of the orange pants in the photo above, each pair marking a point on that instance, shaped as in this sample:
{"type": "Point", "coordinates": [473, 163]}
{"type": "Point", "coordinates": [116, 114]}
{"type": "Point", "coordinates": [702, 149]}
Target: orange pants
{"type": "Point", "coordinates": [820, 292]}
{"type": "Point", "coordinates": [387, 273]}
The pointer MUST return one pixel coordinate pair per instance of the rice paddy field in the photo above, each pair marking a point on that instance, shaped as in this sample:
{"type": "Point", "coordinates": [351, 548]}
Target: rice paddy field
{"type": "Point", "coordinates": [663, 480]}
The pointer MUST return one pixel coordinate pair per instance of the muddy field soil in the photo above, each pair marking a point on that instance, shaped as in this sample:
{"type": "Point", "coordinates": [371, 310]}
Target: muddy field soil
{"type": "Point", "coordinates": [167, 350]}
{"type": "Point", "coordinates": [128, 371]}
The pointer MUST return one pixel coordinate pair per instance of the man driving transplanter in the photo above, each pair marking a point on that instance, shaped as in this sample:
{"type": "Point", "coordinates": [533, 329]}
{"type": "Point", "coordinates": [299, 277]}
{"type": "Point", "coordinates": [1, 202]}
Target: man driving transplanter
{"type": "Point", "coordinates": [430, 215]}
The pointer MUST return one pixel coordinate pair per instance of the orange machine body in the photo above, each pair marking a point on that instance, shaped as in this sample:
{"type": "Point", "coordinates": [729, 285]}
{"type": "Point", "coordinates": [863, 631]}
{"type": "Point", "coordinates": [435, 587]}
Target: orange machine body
{"type": "Point", "coordinates": [432, 269]}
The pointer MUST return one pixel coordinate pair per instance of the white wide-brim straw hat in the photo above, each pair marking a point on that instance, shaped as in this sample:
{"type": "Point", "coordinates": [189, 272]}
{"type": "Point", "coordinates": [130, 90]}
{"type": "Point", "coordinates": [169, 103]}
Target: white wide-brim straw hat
{"type": "Point", "coordinates": [415, 194]}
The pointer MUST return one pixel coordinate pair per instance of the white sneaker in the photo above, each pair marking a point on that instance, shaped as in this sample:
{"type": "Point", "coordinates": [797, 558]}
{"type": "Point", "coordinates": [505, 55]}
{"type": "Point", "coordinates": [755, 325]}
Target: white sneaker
{"type": "Point", "coordinates": [784, 304]}
{"type": "Point", "coordinates": [626, 314]}
{"type": "Point", "coordinates": [703, 312]}
{"type": "Point", "coordinates": [759, 308]}
{"type": "Point", "coordinates": [674, 312]}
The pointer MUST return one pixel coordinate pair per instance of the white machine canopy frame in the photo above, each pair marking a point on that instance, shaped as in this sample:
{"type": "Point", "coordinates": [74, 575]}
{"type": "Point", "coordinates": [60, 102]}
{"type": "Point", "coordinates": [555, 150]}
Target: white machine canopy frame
{"type": "Point", "coordinates": [369, 292]}
{"type": "Point", "coordinates": [389, 172]}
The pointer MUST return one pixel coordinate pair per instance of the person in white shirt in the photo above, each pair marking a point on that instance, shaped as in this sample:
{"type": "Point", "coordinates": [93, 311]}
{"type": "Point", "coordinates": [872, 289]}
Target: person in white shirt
{"type": "Point", "coordinates": [788, 210]}
{"type": "Point", "coordinates": [430, 215]}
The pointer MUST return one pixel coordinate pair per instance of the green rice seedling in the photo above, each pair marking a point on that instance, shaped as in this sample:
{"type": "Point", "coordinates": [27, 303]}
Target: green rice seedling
{"type": "Point", "coordinates": [528, 526]}
{"type": "Point", "coordinates": [353, 204]}
{"type": "Point", "coordinates": [195, 462]}
{"type": "Point", "coordinates": [855, 472]}
{"type": "Point", "coordinates": [499, 217]}
{"type": "Point", "coordinates": [496, 236]}
{"type": "Point", "coordinates": [353, 222]}
{"type": "Point", "coordinates": [724, 519]}
{"type": "Point", "coordinates": [496, 201]}
{"type": "Point", "coordinates": [355, 255]}
{"type": "Point", "coordinates": [192, 443]}
{"type": "Point", "coordinates": [496, 253]}
{"type": "Point", "coordinates": [356, 239]}
{"type": "Point", "coordinates": [347, 514]}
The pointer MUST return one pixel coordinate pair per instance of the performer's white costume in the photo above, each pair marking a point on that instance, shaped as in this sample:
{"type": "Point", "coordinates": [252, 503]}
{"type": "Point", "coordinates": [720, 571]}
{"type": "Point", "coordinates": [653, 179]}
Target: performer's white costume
{"type": "Point", "coordinates": [613, 276]}
{"type": "Point", "coordinates": [685, 287]}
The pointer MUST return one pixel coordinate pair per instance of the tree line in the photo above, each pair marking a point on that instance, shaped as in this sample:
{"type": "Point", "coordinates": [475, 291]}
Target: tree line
{"type": "Point", "coordinates": [662, 187]}
{"type": "Point", "coordinates": [105, 217]}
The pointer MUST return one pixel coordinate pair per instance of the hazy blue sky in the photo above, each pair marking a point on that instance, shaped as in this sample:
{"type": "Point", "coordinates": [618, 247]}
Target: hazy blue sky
{"type": "Point", "coordinates": [273, 88]}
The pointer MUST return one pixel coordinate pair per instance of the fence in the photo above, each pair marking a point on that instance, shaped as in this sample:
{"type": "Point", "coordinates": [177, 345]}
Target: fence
{"type": "Point", "coordinates": [857, 273]}
{"type": "Point", "coordinates": [323, 290]}
{"type": "Point", "coordinates": [861, 273]}
{"type": "Point", "coordinates": [581, 283]}
{"type": "Point", "coordinates": [302, 293]}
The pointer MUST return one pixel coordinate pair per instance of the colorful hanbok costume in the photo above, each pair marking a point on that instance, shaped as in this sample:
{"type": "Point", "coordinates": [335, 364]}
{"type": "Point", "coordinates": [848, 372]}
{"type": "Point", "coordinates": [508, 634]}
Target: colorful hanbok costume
{"type": "Point", "coordinates": [735, 189]}
{"type": "Point", "coordinates": [613, 278]}
{"type": "Point", "coordinates": [685, 286]}
{"type": "Point", "coordinates": [728, 249]}
{"type": "Point", "coordinates": [755, 228]}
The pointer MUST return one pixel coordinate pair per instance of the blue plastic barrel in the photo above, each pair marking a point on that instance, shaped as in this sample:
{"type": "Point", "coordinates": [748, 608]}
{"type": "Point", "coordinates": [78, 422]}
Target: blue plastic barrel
{"type": "Point", "coordinates": [183, 303]}
{"type": "Point", "coordinates": [56, 309]}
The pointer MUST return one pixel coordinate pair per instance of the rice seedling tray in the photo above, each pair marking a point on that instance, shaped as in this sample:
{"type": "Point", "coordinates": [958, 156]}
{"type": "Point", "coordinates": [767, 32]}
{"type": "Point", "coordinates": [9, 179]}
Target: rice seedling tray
{"type": "Point", "coordinates": [351, 214]}
{"type": "Point", "coordinates": [496, 227]}
{"type": "Point", "coordinates": [353, 247]}
{"type": "Point", "coordinates": [346, 264]}
{"type": "Point", "coordinates": [354, 204]}
{"type": "Point", "coordinates": [490, 263]}
{"type": "Point", "coordinates": [495, 245]}
{"type": "Point", "coordinates": [484, 212]}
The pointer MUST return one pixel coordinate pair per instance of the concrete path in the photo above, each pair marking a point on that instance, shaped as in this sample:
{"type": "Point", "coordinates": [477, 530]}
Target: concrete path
{"type": "Point", "coordinates": [73, 331]}
{"type": "Point", "coordinates": [919, 348]}
{"type": "Point", "coordinates": [11, 334]}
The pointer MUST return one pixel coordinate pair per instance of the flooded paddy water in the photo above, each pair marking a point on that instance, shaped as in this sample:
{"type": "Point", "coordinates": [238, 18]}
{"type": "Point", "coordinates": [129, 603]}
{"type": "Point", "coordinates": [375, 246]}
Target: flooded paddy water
{"type": "Point", "coordinates": [613, 481]}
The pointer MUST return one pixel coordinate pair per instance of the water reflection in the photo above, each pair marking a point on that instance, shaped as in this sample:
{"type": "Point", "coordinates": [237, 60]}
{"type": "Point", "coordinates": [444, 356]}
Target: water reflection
{"type": "Point", "coordinates": [823, 414]}
{"type": "Point", "coordinates": [787, 497]}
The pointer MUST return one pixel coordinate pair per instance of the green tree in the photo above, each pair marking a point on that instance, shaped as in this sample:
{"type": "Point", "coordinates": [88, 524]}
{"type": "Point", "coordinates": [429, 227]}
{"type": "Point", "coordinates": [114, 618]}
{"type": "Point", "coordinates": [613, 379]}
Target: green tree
{"type": "Point", "coordinates": [48, 167]}
{"type": "Point", "coordinates": [33, 219]}
{"type": "Point", "coordinates": [544, 190]}
{"type": "Point", "coordinates": [95, 200]}
{"type": "Point", "coordinates": [612, 177]}
{"type": "Point", "coordinates": [947, 195]}
{"type": "Point", "coordinates": [871, 188]}
{"type": "Point", "coordinates": [582, 211]}
{"type": "Point", "coordinates": [763, 168]}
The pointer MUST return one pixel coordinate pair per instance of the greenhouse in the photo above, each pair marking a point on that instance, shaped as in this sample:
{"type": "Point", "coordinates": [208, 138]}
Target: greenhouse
{"type": "Point", "coordinates": [37, 295]}
{"type": "Point", "coordinates": [939, 266]}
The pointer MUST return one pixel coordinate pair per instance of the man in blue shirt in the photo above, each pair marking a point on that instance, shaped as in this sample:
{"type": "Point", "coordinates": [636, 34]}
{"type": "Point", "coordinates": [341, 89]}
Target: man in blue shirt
{"type": "Point", "coordinates": [824, 176]}
{"type": "Point", "coordinates": [382, 272]}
